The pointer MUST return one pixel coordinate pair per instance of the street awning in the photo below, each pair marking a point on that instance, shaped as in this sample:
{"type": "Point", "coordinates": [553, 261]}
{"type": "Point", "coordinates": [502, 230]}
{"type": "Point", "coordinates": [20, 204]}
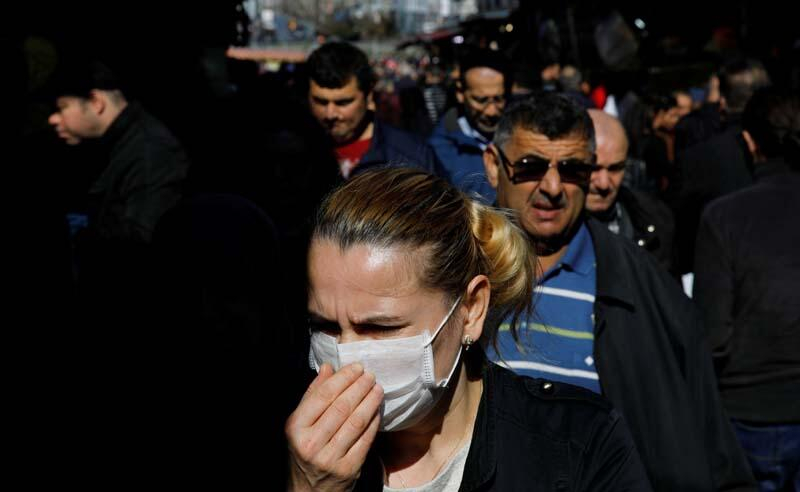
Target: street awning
{"type": "Point", "coordinates": [267, 54]}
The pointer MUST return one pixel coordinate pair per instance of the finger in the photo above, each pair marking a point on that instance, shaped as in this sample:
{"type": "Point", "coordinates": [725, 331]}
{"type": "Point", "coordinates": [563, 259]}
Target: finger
{"type": "Point", "coordinates": [318, 401]}
{"type": "Point", "coordinates": [341, 410]}
{"type": "Point", "coordinates": [356, 424]}
{"type": "Point", "coordinates": [357, 453]}
{"type": "Point", "coordinates": [325, 372]}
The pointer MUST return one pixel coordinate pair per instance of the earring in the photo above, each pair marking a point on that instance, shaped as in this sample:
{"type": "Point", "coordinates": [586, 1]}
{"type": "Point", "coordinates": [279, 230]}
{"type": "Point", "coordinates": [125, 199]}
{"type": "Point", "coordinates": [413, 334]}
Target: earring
{"type": "Point", "coordinates": [467, 342]}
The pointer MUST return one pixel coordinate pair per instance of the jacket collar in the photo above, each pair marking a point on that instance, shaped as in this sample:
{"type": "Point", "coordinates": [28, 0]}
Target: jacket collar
{"type": "Point", "coordinates": [449, 129]}
{"type": "Point", "coordinates": [121, 124]}
{"type": "Point", "coordinates": [613, 281]}
{"type": "Point", "coordinates": [481, 461]}
{"type": "Point", "coordinates": [631, 203]}
{"type": "Point", "coordinates": [466, 129]}
{"type": "Point", "coordinates": [376, 155]}
{"type": "Point", "coordinates": [450, 120]}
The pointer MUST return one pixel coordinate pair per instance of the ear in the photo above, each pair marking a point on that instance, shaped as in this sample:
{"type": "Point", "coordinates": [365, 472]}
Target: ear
{"type": "Point", "coordinates": [371, 101]}
{"type": "Point", "coordinates": [491, 164]}
{"type": "Point", "coordinates": [751, 144]}
{"type": "Point", "coordinates": [459, 92]}
{"type": "Point", "coordinates": [476, 303]}
{"type": "Point", "coordinates": [658, 119]}
{"type": "Point", "coordinates": [97, 101]}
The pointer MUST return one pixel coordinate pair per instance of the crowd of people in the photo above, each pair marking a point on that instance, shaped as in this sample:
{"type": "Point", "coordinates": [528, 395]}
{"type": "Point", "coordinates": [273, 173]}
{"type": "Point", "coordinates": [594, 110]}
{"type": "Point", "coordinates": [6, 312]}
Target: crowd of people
{"type": "Point", "coordinates": [434, 277]}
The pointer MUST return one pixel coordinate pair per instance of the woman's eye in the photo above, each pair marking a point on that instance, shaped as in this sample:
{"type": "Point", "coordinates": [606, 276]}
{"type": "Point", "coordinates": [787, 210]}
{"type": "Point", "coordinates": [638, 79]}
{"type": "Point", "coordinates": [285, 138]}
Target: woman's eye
{"type": "Point", "coordinates": [329, 327]}
{"type": "Point", "coordinates": [377, 327]}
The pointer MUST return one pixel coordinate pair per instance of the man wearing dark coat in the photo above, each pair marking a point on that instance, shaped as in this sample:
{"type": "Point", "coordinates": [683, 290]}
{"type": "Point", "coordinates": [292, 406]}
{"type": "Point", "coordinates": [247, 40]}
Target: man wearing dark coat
{"type": "Point", "coordinates": [608, 317]}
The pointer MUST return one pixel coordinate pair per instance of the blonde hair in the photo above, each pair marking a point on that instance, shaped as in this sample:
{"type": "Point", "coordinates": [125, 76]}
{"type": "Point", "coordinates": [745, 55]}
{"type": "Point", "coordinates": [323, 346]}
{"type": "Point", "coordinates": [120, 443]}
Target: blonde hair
{"type": "Point", "coordinates": [462, 238]}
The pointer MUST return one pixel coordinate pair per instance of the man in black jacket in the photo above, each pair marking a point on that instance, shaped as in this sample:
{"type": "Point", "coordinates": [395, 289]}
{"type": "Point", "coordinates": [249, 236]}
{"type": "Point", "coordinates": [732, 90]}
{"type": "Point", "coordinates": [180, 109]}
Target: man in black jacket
{"type": "Point", "coordinates": [340, 95]}
{"type": "Point", "coordinates": [632, 214]}
{"type": "Point", "coordinates": [143, 171]}
{"type": "Point", "coordinates": [145, 167]}
{"type": "Point", "coordinates": [747, 283]}
{"type": "Point", "coordinates": [714, 160]}
{"type": "Point", "coordinates": [608, 317]}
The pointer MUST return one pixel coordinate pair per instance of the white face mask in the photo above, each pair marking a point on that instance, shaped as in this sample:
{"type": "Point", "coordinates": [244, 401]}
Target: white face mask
{"type": "Point", "coordinates": [402, 366]}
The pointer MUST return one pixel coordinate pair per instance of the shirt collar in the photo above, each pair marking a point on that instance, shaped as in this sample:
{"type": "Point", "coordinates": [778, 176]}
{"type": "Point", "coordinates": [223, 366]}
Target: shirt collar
{"type": "Point", "coordinates": [579, 256]}
{"type": "Point", "coordinates": [467, 130]}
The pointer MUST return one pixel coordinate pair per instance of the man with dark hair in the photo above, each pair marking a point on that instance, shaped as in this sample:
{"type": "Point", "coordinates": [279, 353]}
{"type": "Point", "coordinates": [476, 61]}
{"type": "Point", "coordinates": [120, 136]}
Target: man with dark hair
{"type": "Point", "coordinates": [632, 214]}
{"type": "Point", "coordinates": [738, 81]}
{"type": "Point", "coordinates": [608, 317]}
{"type": "Point", "coordinates": [747, 283]}
{"type": "Point", "coordinates": [711, 157]}
{"type": "Point", "coordinates": [571, 81]}
{"type": "Point", "coordinates": [464, 132]}
{"type": "Point", "coordinates": [340, 96]}
{"type": "Point", "coordinates": [146, 167]}
{"type": "Point", "coordinates": [142, 177]}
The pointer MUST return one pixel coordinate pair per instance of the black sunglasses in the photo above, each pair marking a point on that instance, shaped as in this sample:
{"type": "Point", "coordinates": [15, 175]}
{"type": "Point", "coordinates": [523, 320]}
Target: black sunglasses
{"type": "Point", "coordinates": [533, 168]}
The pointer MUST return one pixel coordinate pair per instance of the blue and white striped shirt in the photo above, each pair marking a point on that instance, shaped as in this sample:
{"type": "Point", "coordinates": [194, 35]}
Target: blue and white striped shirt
{"type": "Point", "coordinates": [557, 341]}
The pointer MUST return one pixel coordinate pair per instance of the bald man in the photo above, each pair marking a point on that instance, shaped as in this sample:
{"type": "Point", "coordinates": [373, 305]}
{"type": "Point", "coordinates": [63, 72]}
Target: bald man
{"type": "Point", "coordinates": [632, 214]}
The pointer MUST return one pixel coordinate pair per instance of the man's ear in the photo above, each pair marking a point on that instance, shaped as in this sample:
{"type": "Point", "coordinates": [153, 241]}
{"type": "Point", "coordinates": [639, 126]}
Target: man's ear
{"type": "Point", "coordinates": [751, 144]}
{"type": "Point", "coordinates": [491, 164]}
{"type": "Point", "coordinates": [459, 92]}
{"type": "Point", "coordinates": [97, 101]}
{"type": "Point", "coordinates": [371, 101]}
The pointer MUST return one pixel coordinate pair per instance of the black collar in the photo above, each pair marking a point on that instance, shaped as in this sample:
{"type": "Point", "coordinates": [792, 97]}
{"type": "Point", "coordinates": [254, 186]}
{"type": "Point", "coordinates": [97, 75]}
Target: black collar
{"type": "Point", "coordinates": [481, 461]}
{"type": "Point", "coordinates": [121, 124]}
{"type": "Point", "coordinates": [613, 280]}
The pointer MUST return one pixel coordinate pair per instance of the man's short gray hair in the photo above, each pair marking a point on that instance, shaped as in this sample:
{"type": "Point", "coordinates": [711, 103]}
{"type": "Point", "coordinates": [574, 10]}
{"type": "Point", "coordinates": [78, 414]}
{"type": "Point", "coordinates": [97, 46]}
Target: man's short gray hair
{"type": "Point", "coordinates": [551, 114]}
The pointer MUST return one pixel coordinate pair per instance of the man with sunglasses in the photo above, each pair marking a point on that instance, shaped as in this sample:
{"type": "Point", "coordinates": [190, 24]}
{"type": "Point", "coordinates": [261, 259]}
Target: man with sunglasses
{"type": "Point", "coordinates": [607, 317]}
{"type": "Point", "coordinates": [464, 131]}
{"type": "Point", "coordinates": [634, 215]}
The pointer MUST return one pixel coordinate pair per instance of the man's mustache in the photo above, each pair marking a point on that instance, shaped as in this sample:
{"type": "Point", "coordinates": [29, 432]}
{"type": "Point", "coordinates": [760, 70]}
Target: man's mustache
{"type": "Point", "coordinates": [603, 193]}
{"type": "Point", "coordinates": [543, 201]}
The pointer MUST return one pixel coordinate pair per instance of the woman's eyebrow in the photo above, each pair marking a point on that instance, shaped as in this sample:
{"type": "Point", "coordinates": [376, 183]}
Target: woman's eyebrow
{"type": "Point", "coordinates": [315, 316]}
{"type": "Point", "coordinates": [377, 319]}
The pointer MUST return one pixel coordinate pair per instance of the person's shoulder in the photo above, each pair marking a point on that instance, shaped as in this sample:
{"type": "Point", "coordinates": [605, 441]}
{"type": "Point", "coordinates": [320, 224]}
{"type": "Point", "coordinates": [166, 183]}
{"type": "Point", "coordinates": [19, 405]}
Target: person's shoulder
{"type": "Point", "coordinates": [620, 260]}
{"type": "Point", "coordinates": [399, 138]}
{"type": "Point", "coordinates": [730, 211]}
{"type": "Point", "coordinates": [149, 131]}
{"type": "Point", "coordinates": [728, 203]}
{"type": "Point", "coordinates": [644, 200]}
{"type": "Point", "coordinates": [440, 135]}
{"type": "Point", "coordinates": [724, 143]}
{"type": "Point", "coordinates": [448, 133]}
{"type": "Point", "coordinates": [608, 244]}
{"type": "Point", "coordinates": [557, 409]}
{"type": "Point", "coordinates": [404, 148]}
{"type": "Point", "coordinates": [748, 199]}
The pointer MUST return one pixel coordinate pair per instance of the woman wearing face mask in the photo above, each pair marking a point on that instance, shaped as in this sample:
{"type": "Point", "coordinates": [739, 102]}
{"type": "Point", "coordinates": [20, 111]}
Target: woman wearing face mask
{"type": "Point", "coordinates": [403, 271]}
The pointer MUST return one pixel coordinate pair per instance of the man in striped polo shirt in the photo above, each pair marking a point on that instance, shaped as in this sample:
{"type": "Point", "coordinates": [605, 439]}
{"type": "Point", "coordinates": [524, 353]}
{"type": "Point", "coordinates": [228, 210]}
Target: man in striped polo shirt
{"type": "Point", "coordinates": [607, 316]}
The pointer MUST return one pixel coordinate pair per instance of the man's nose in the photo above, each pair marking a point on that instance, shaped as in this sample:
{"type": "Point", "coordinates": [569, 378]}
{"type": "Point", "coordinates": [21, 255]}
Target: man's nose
{"type": "Point", "coordinates": [550, 183]}
{"type": "Point", "coordinates": [492, 109]}
{"type": "Point", "coordinates": [54, 119]}
{"type": "Point", "coordinates": [600, 179]}
{"type": "Point", "coordinates": [330, 112]}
